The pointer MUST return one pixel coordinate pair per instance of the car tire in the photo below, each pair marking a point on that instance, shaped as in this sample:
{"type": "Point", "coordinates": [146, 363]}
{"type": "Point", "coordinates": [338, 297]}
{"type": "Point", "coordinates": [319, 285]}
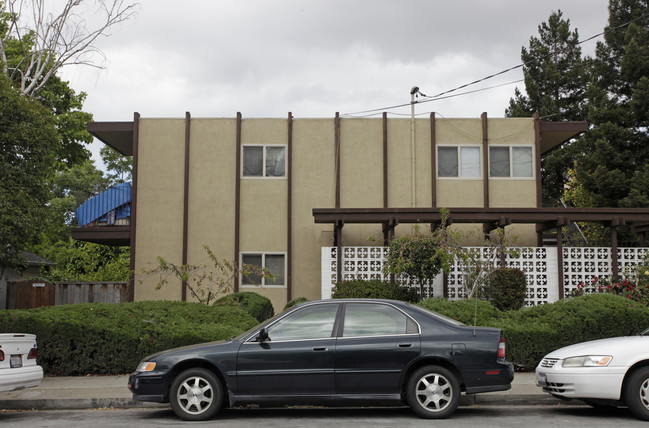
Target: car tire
{"type": "Point", "coordinates": [433, 392]}
{"type": "Point", "coordinates": [196, 395]}
{"type": "Point", "coordinates": [636, 393]}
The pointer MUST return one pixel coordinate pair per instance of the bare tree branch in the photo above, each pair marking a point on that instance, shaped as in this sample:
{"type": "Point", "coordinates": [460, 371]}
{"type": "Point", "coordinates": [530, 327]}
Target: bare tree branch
{"type": "Point", "coordinates": [51, 40]}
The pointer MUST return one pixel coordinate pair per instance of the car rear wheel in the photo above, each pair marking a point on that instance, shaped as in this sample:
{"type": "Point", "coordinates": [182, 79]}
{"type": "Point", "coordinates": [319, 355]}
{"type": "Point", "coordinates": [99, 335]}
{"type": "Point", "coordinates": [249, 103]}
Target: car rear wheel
{"type": "Point", "coordinates": [196, 395]}
{"type": "Point", "coordinates": [636, 393]}
{"type": "Point", "coordinates": [433, 392]}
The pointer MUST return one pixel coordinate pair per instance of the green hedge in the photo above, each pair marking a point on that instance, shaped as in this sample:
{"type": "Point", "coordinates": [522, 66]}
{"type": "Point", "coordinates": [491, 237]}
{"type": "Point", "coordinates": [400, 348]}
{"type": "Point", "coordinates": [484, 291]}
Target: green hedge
{"type": "Point", "coordinates": [109, 338]}
{"type": "Point", "coordinates": [100, 338]}
{"type": "Point", "coordinates": [374, 289]}
{"type": "Point", "coordinates": [295, 301]}
{"type": "Point", "coordinates": [255, 304]}
{"type": "Point", "coordinates": [531, 333]}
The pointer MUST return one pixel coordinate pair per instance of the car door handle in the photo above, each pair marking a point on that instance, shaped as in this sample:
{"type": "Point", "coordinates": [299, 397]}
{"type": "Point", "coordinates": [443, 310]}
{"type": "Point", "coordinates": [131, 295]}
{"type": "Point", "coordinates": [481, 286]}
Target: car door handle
{"type": "Point", "coordinates": [319, 348]}
{"type": "Point", "coordinates": [405, 345]}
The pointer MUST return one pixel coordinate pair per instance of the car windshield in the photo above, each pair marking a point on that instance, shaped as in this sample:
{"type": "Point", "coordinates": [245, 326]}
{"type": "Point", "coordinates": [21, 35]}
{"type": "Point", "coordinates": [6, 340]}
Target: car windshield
{"type": "Point", "coordinates": [645, 333]}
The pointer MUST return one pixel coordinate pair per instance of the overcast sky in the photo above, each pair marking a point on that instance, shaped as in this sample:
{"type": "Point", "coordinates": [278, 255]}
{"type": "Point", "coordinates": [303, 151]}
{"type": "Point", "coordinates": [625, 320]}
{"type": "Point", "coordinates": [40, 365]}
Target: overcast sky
{"type": "Point", "coordinates": [314, 58]}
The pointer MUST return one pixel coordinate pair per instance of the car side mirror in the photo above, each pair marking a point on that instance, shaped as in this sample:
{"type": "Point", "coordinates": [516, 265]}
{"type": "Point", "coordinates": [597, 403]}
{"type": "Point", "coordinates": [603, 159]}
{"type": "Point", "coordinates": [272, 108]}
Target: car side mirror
{"type": "Point", "coordinates": [262, 336]}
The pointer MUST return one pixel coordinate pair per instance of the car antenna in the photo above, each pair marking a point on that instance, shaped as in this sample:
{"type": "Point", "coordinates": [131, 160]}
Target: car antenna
{"type": "Point", "coordinates": [475, 314]}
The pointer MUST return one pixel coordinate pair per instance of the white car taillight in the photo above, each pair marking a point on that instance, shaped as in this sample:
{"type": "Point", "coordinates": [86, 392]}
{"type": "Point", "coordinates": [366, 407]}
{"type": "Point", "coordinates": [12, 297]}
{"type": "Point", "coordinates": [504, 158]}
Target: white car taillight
{"type": "Point", "coordinates": [32, 353]}
{"type": "Point", "coordinates": [2, 356]}
{"type": "Point", "coordinates": [501, 348]}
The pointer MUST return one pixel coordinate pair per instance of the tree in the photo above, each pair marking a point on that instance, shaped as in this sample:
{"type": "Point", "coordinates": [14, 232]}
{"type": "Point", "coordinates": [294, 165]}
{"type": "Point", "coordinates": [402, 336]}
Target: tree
{"type": "Point", "coordinates": [28, 147]}
{"type": "Point", "coordinates": [41, 47]}
{"type": "Point", "coordinates": [613, 170]}
{"type": "Point", "coordinates": [419, 256]}
{"type": "Point", "coordinates": [424, 256]}
{"type": "Point", "coordinates": [203, 282]}
{"type": "Point", "coordinates": [556, 79]}
{"type": "Point", "coordinates": [119, 167]}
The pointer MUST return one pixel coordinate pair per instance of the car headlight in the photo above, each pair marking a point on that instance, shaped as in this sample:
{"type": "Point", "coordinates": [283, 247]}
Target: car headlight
{"type": "Point", "coordinates": [146, 366]}
{"type": "Point", "coordinates": [588, 361]}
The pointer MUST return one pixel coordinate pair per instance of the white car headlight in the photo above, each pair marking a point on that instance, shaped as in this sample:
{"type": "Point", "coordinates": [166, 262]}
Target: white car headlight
{"type": "Point", "coordinates": [588, 361]}
{"type": "Point", "coordinates": [145, 366]}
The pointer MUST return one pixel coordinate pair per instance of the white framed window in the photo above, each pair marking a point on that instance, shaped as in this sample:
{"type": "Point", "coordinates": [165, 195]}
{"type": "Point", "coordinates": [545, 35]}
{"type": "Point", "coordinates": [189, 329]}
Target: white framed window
{"type": "Point", "coordinates": [458, 162]}
{"type": "Point", "coordinates": [274, 262]}
{"type": "Point", "coordinates": [265, 161]}
{"type": "Point", "coordinates": [511, 161]}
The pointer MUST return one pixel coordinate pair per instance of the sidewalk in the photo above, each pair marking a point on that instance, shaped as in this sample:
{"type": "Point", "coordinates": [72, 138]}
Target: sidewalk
{"type": "Point", "coordinates": [111, 391]}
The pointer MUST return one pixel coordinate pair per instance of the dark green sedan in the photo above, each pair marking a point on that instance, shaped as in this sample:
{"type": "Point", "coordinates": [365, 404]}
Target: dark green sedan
{"type": "Point", "coordinates": [332, 352]}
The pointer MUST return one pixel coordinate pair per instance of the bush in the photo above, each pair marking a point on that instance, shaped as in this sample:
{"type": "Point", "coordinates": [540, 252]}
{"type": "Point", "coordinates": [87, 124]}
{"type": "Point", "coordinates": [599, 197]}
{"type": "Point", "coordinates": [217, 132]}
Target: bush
{"type": "Point", "coordinates": [506, 289]}
{"type": "Point", "coordinates": [255, 304]}
{"type": "Point", "coordinates": [374, 289]}
{"type": "Point", "coordinates": [533, 332]}
{"type": "Point", "coordinates": [464, 310]}
{"type": "Point", "coordinates": [295, 301]}
{"type": "Point", "coordinates": [109, 338]}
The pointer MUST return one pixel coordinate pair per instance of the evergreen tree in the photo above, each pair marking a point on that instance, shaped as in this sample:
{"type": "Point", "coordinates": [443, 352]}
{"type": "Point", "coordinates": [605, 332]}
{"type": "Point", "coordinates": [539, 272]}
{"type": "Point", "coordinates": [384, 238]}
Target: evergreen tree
{"type": "Point", "coordinates": [613, 170]}
{"type": "Point", "coordinates": [556, 79]}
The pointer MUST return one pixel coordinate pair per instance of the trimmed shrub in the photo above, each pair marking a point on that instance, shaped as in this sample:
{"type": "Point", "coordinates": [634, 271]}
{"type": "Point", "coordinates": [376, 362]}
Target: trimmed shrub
{"type": "Point", "coordinates": [295, 301]}
{"type": "Point", "coordinates": [464, 310]}
{"type": "Point", "coordinates": [506, 289]}
{"type": "Point", "coordinates": [533, 332]}
{"type": "Point", "coordinates": [374, 289]}
{"type": "Point", "coordinates": [255, 304]}
{"type": "Point", "coordinates": [109, 338]}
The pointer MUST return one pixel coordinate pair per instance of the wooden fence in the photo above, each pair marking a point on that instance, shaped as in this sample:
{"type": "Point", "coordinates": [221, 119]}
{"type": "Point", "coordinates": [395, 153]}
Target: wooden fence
{"type": "Point", "coordinates": [32, 293]}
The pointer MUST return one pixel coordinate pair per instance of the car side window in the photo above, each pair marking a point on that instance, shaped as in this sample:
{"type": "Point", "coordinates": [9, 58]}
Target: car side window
{"type": "Point", "coordinates": [368, 319]}
{"type": "Point", "coordinates": [311, 322]}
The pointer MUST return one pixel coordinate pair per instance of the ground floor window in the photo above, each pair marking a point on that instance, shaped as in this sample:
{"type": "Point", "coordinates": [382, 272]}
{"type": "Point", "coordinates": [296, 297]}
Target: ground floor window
{"type": "Point", "coordinates": [274, 262]}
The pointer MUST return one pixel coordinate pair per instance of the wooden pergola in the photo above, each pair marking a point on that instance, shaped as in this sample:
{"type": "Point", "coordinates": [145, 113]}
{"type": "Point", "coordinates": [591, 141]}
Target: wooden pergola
{"type": "Point", "coordinates": [491, 219]}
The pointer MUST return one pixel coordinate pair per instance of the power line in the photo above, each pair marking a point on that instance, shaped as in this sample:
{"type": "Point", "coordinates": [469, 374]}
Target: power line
{"type": "Point", "coordinates": [439, 96]}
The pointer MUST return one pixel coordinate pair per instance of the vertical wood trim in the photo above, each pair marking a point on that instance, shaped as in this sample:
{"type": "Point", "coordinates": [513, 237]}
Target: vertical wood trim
{"type": "Point", "coordinates": [433, 160]}
{"type": "Point", "coordinates": [337, 157]}
{"type": "Point", "coordinates": [237, 201]}
{"type": "Point", "coordinates": [537, 159]}
{"type": "Point", "coordinates": [560, 261]}
{"type": "Point", "coordinates": [385, 160]}
{"type": "Point", "coordinates": [289, 210]}
{"type": "Point", "coordinates": [485, 159]}
{"type": "Point", "coordinates": [614, 261]}
{"type": "Point", "coordinates": [136, 142]}
{"type": "Point", "coordinates": [188, 119]}
{"type": "Point", "coordinates": [338, 232]}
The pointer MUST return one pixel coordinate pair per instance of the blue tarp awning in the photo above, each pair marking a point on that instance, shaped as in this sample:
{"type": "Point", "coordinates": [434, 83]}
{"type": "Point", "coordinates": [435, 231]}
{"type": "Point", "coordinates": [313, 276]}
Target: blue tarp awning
{"type": "Point", "coordinates": [114, 203]}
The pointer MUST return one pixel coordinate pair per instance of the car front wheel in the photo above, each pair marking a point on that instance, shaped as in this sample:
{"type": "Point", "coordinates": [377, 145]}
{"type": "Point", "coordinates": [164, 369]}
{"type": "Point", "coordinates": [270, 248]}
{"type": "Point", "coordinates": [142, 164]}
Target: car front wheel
{"type": "Point", "coordinates": [196, 395]}
{"type": "Point", "coordinates": [433, 392]}
{"type": "Point", "coordinates": [636, 393]}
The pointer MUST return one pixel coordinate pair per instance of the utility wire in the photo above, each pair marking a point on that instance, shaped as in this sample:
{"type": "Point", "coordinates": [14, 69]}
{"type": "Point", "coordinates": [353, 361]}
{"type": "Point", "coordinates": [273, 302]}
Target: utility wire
{"type": "Point", "coordinates": [439, 96]}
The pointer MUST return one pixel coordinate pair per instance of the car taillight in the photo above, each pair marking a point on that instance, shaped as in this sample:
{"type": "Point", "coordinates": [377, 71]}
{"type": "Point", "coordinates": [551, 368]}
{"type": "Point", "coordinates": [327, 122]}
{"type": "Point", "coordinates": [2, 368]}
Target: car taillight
{"type": "Point", "coordinates": [501, 348]}
{"type": "Point", "coordinates": [2, 356]}
{"type": "Point", "coordinates": [32, 353]}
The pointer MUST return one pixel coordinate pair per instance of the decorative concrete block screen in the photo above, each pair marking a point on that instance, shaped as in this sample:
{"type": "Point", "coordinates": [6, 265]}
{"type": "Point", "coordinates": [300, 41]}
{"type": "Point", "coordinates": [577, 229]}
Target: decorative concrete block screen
{"type": "Point", "coordinates": [540, 264]}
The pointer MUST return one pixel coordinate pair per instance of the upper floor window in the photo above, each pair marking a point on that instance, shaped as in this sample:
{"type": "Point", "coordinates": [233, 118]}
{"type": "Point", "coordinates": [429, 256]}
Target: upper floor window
{"type": "Point", "coordinates": [272, 261]}
{"type": "Point", "coordinates": [458, 161]}
{"type": "Point", "coordinates": [264, 161]}
{"type": "Point", "coordinates": [510, 161]}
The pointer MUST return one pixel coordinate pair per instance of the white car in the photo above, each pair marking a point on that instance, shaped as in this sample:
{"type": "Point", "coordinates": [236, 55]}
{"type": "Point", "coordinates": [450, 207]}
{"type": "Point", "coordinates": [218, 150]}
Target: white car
{"type": "Point", "coordinates": [606, 372]}
{"type": "Point", "coordinates": [18, 367]}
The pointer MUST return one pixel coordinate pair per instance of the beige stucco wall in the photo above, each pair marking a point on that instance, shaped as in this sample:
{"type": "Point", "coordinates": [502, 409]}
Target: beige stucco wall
{"type": "Point", "coordinates": [159, 204]}
{"type": "Point", "coordinates": [264, 211]}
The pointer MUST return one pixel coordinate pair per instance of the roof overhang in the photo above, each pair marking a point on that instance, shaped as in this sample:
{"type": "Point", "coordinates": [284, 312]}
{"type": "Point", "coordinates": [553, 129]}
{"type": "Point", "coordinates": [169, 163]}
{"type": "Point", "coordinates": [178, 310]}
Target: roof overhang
{"type": "Point", "coordinates": [502, 216]}
{"type": "Point", "coordinates": [118, 135]}
{"type": "Point", "coordinates": [106, 235]}
{"type": "Point", "coordinates": [554, 134]}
